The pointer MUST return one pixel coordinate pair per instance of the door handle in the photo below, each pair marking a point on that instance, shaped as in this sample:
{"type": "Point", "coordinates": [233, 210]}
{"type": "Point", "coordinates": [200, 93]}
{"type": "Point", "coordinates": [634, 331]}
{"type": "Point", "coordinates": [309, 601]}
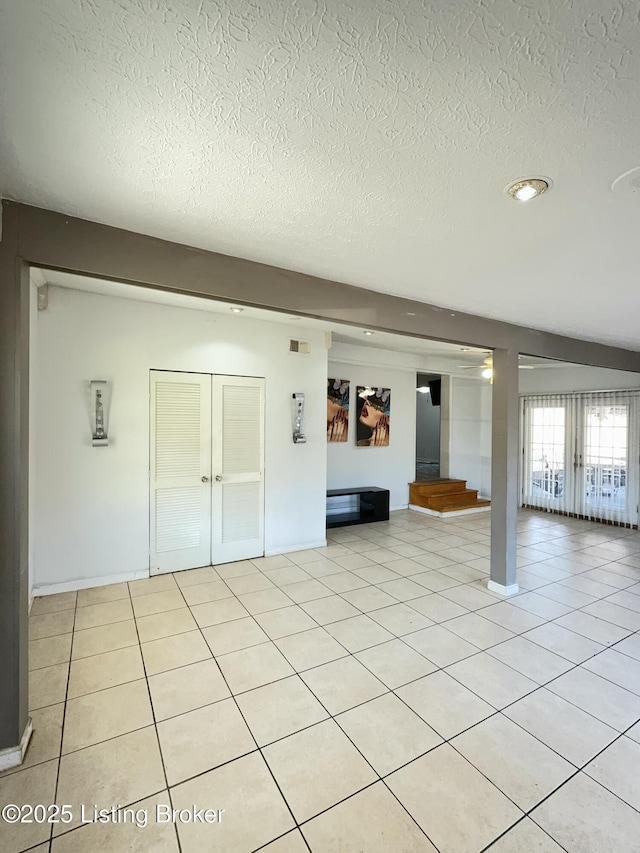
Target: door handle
{"type": "Point", "coordinates": [205, 479]}
{"type": "Point", "coordinates": [218, 478]}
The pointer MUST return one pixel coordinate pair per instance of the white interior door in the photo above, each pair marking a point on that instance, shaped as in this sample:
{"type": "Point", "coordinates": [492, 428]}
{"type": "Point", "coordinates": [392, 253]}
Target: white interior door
{"type": "Point", "coordinates": [180, 471]}
{"type": "Point", "coordinates": [238, 468]}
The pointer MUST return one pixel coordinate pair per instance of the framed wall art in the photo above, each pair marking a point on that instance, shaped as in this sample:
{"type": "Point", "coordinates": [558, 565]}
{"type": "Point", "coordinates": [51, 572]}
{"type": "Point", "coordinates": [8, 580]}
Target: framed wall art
{"type": "Point", "coordinates": [337, 409]}
{"type": "Point", "coordinates": [373, 410]}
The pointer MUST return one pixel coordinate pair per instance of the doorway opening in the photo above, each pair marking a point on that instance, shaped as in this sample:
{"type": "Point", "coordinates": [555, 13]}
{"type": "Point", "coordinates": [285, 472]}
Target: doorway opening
{"type": "Point", "coordinates": [428, 387]}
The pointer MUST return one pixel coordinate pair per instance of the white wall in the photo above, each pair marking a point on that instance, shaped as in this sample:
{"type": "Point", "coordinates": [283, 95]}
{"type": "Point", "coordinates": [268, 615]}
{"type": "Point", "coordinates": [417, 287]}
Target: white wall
{"type": "Point", "coordinates": [564, 380]}
{"type": "Point", "coordinates": [469, 421]}
{"type": "Point", "coordinates": [391, 467]}
{"type": "Point", "coordinates": [92, 504]}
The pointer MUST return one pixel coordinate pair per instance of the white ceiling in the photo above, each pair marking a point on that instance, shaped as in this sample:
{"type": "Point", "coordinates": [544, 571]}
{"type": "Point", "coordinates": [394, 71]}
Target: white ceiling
{"type": "Point", "coordinates": [367, 142]}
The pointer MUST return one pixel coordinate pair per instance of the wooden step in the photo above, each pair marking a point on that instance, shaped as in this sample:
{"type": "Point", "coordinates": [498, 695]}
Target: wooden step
{"type": "Point", "coordinates": [459, 507]}
{"type": "Point", "coordinates": [437, 487]}
{"type": "Point", "coordinates": [463, 498]}
{"type": "Point", "coordinates": [445, 495]}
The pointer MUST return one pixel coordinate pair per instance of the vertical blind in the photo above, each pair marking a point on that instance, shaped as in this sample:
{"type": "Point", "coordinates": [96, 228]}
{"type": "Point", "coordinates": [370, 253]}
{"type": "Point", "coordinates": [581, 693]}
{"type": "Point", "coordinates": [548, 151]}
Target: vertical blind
{"type": "Point", "coordinates": [581, 454]}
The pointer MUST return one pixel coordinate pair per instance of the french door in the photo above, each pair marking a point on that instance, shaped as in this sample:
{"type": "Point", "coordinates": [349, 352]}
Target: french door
{"type": "Point", "coordinates": [581, 454]}
{"type": "Point", "coordinates": [206, 471]}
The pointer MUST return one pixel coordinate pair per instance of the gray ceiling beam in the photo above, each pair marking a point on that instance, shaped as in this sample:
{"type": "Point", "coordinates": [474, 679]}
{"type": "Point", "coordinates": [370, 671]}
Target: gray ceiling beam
{"type": "Point", "coordinates": [53, 240]}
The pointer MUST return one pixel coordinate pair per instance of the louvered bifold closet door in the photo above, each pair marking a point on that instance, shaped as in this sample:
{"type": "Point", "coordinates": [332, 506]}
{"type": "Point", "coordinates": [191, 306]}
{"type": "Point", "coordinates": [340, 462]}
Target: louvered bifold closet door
{"type": "Point", "coordinates": [180, 471]}
{"type": "Point", "coordinates": [238, 468]}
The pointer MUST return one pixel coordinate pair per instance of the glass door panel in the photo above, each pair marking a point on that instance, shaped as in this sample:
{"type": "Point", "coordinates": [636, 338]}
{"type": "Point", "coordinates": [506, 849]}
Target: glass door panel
{"type": "Point", "coordinates": [604, 460]}
{"type": "Point", "coordinates": [545, 452]}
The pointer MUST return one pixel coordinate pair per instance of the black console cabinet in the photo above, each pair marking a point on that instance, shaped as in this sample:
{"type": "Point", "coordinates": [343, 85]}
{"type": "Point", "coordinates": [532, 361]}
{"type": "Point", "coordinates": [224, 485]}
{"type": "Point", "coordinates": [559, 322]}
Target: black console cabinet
{"type": "Point", "coordinates": [373, 505]}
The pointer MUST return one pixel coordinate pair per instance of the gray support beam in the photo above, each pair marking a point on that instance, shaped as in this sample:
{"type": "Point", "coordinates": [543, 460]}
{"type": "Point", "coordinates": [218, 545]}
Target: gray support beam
{"type": "Point", "coordinates": [14, 498]}
{"type": "Point", "coordinates": [504, 472]}
{"type": "Point", "coordinates": [54, 240]}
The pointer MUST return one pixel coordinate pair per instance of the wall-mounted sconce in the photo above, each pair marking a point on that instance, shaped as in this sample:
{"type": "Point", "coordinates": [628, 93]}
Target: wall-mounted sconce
{"type": "Point", "coordinates": [99, 413]}
{"type": "Point", "coordinates": [298, 413]}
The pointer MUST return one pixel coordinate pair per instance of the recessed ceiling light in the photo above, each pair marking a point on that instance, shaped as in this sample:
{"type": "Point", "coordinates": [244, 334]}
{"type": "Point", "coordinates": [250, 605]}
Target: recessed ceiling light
{"type": "Point", "coordinates": [411, 313]}
{"type": "Point", "coordinates": [527, 188]}
{"type": "Point", "coordinates": [423, 389]}
{"type": "Point", "coordinates": [464, 349]}
{"type": "Point", "coordinates": [367, 332]}
{"type": "Point", "coordinates": [236, 310]}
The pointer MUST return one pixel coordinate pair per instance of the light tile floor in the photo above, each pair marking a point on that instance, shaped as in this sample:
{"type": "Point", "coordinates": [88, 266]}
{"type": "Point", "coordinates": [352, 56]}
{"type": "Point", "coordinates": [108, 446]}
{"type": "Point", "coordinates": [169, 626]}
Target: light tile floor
{"type": "Point", "coordinates": [367, 696]}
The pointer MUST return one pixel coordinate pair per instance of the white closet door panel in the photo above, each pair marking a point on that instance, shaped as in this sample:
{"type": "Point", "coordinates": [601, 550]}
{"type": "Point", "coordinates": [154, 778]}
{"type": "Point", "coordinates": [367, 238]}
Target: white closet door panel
{"type": "Point", "coordinates": [178, 447]}
{"type": "Point", "coordinates": [241, 429]}
{"type": "Point", "coordinates": [178, 519]}
{"type": "Point", "coordinates": [241, 516]}
{"type": "Point", "coordinates": [238, 468]}
{"type": "Point", "coordinates": [180, 459]}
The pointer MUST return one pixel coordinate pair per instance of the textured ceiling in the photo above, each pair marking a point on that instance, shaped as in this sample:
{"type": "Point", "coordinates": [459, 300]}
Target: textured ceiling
{"type": "Point", "coordinates": [367, 141]}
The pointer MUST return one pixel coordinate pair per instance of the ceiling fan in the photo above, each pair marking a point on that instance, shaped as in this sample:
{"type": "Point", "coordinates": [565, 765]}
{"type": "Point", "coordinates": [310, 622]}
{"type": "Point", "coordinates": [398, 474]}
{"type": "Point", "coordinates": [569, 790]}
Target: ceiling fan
{"type": "Point", "coordinates": [487, 366]}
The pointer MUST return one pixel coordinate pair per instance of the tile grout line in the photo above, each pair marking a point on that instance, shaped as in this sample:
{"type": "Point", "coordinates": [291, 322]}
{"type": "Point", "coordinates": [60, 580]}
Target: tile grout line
{"type": "Point", "coordinates": [509, 829]}
{"type": "Point", "coordinates": [258, 748]}
{"type": "Point", "coordinates": [153, 717]}
{"type": "Point", "coordinates": [389, 691]}
{"type": "Point", "coordinates": [579, 770]}
{"type": "Point", "coordinates": [331, 717]}
{"type": "Point", "coordinates": [392, 692]}
{"type": "Point", "coordinates": [64, 719]}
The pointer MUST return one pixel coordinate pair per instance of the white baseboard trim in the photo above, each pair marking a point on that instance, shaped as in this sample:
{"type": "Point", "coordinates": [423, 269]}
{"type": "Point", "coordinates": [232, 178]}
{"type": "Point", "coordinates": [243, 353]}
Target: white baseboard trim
{"type": "Point", "coordinates": [87, 583]}
{"type": "Point", "coordinates": [289, 549]}
{"type": "Point", "coordinates": [452, 514]}
{"type": "Point", "coordinates": [501, 589]}
{"type": "Point", "coordinates": [400, 506]}
{"type": "Point", "coordinates": [13, 756]}
{"type": "Point", "coordinates": [425, 511]}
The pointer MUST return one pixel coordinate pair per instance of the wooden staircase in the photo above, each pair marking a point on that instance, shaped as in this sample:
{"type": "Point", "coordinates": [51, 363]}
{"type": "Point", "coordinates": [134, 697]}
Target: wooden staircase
{"type": "Point", "coordinates": [444, 496]}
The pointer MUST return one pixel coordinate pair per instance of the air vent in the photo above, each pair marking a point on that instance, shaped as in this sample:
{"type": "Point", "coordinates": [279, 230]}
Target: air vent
{"type": "Point", "coordinates": [301, 347]}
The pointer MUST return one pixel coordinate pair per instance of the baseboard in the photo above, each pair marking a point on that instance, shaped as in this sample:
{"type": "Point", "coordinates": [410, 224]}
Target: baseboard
{"type": "Point", "coordinates": [432, 512]}
{"type": "Point", "coordinates": [398, 507]}
{"type": "Point", "coordinates": [435, 514]}
{"type": "Point", "coordinates": [501, 589]}
{"type": "Point", "coordinates": [13, 756]}
{"type": "Point", "coordinates": [88, 583]}
{"type": "Point", "coordinates": [289, 549]}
